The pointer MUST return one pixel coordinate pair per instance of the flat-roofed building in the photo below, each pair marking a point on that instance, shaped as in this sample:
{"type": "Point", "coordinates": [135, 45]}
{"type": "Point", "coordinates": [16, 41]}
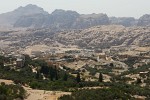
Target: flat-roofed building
{"type": "Point", "coordinates": [19, 62]}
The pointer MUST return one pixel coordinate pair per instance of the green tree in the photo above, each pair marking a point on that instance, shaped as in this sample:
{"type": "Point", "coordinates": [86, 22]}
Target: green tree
{"type": "Point", "coordinates": [1, 64]}
{"type": "Point", "coordinates": [56, 73]}
{"type": "Point", "coordinates": [65, 78]}
{"type": "Point", "coordinates": [52, 75]}
{"type": "Point", "coordinates": [100, 79]}
{"type": "Point", "coordinates": [1, 61]}
{"type": "Point", "coordinates": [138, 81]}
{"type": "Point", "coordinates": [38, 75]}
{"type": "Point", "coordinates": [44, 70]}
{"type": "Point", "coordinates": [27, 59]}
{"type": "Point", "coordinates": [78, 79]}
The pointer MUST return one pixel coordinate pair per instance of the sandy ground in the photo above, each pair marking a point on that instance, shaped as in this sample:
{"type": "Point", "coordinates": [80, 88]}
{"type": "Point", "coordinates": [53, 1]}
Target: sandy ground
{"type": "Point", "coordinates": [133, 53]}
{"type": "Point", "coordinates": [29, 49]}
{"type": "Point", "coordinates": [105, 77]}
{"type": "Point", "coordinates": [44, 95]}
{"type": "Point", "coordinates": [143, 49]}
{"type": "Point", "coordinates": [79, 64]}
{"type": "Point", "coordinates": [75, 65]}
{"type": "Point", "coordinates": [4, 44]}
{"type": "Point", "coordinates": [6, 81]}
{"type": "Point", "coordinates": [136, 51]}
{"type": "Point", "coordinates": [39, 94]}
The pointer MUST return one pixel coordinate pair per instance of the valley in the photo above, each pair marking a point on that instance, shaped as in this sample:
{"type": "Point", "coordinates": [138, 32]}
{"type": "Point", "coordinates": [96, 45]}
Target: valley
{"type": "Point", "coordinates": [70, 56]}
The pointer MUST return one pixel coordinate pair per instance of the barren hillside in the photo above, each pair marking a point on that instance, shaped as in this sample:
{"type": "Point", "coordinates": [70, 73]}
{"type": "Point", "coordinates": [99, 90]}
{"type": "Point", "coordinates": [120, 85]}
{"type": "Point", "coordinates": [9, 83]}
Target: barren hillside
{"type": "Point", "coordinates": [106, 36]}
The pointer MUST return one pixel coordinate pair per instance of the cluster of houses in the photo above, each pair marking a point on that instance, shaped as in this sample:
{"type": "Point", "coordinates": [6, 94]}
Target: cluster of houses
{"type": "Point", "coordinates": [14, 60]}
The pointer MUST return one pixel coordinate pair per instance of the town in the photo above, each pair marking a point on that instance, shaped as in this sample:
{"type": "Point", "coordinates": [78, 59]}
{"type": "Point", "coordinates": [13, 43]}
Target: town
{"type": "Point", "coordinates": [65, 55]}
{"type": "Point", "coordinates": [113, 64]}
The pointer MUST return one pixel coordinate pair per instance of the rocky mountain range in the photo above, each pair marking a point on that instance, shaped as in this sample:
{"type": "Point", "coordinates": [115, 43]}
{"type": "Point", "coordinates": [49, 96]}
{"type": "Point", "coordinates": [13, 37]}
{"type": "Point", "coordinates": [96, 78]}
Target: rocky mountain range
{"type": "Point", "coordinates": [144, 20]}
{"type": "Point", "coordinates": [125, 21]}
{"type": "Point", "coordinates": [36, 17]}
{"type": "Point", "coordinates": [10, 18]}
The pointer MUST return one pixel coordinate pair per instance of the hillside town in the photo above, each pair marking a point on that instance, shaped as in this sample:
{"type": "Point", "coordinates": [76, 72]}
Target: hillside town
{"type": "Point", "coordinates": [70, 56]}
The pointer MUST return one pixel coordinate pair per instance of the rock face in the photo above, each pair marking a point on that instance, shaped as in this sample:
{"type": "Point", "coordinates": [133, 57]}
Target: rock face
{"type": "Point", "coordinates": [125, 21]}
{"type": "Point", "coordinates": [11, 17]}
{"type": "Point", "coordinates": [144, 20]}
{"type": "Point", "coordinates": [89, 20]}
{"type": "Point", "coordinates": [35, 21]}
{"type": "Point", "coordinates": [62, 19]}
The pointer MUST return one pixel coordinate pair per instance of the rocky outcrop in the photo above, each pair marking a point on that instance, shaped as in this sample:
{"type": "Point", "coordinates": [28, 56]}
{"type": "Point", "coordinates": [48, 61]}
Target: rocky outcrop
{"type": "Point", "coordinates": [35, 21]}
{"type": "Point", "coordinates": [125, 21]}
{"type": "Point", "coordinates": [89, 20]}
{"type": "Point", "coordinates": [62, 19]}
{"type": "Point", "coordinates": [11, 17]}
{"type": "Point", "coordinates": [106, 36]}
{"type": "Point", "coordinates": [144, 20]}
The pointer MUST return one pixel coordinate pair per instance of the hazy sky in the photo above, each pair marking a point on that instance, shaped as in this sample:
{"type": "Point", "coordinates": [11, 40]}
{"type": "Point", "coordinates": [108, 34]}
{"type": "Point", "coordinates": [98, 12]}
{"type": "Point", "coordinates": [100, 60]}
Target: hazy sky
{"type": "Point", "coordinates": [118, 8]}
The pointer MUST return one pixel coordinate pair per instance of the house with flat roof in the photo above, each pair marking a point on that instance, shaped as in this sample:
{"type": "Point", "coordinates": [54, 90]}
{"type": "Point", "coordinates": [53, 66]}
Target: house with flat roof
{"type": "Point", "coordinates": [19, 62]}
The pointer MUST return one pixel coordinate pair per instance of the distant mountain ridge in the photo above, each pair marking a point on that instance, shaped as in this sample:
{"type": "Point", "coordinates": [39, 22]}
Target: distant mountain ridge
{"type": "Point", "coordinates": [144, 20]}
{"type": "Point", "coordinates": [36, 17]}
{"type": "Point", "coordinates": [125, 21]}
{"type": "Point", "coordinates": [10, 18]}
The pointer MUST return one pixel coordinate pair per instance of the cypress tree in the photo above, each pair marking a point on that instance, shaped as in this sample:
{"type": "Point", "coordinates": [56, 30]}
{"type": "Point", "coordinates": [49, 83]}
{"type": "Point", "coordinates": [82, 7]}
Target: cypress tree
{"type": "Point", "coordinates": [65, 78]}
{"type": "Point", "coordinates": [100, 79]}
{"type": "Point", "coordinates": [56, 73]}
{"type": "Point", "coordinates": [1, 61]}
{"type": "Point", "coordinates": [138, 81]}
{"type": "Point", "coordinates": [1, 64]}
{"type": "Point", "coordinates": [37, 75]}
{"type": "Point", "coordinates": [78, 79]}
{"type": "Point", "coordinates": [51, 71]}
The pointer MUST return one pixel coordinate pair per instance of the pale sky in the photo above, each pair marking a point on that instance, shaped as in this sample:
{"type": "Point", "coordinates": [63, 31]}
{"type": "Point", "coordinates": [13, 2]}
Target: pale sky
{"type": "Point", "coordinates": [118, 8]}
